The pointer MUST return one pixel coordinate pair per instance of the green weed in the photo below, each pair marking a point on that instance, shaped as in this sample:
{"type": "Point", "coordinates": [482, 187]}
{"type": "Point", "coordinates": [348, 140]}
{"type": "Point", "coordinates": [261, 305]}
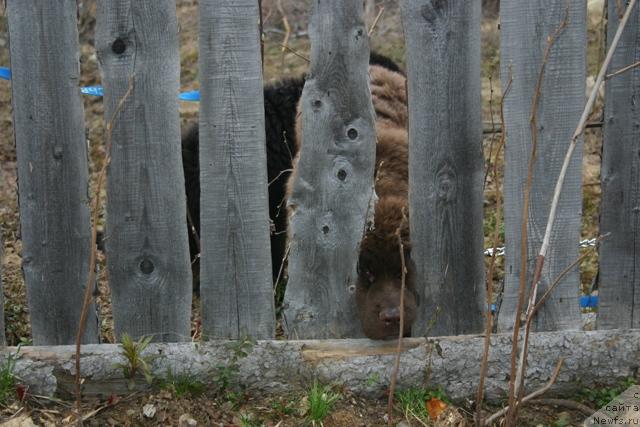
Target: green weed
{"type": "Point", "coordinates": [321, 400]}
{"type": "Point", "coordinates": [135, 362]}
{"type": "Point", "coordinates": [182, 385]}
{"type": "Point", "coordinates": [7, 377]}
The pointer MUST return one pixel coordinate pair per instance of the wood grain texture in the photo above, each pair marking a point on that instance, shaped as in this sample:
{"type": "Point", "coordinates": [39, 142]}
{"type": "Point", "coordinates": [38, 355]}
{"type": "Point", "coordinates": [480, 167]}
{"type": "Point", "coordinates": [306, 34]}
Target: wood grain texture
{"type": "Point", "coordinates": [445, 163]}
{"type": "Point", "coordinates": [525, 27]}
{"type": "Point", "coordinates": [146, 234]}
{"type": "Point", "coordinates": [236, 285]}
{"type": "Point", "coordinates": [328, 213]}
{"type": "Point", "coordinates": [52, 166]}
{"type": "Point", "coordinates": [619, 276]}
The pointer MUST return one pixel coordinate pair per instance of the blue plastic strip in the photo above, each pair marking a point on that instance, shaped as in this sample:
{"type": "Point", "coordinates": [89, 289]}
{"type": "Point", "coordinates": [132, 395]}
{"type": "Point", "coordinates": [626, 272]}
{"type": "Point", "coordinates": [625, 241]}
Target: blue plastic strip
{"type": "Point", "coordinates": [5, 73]}
{"type": "Point", "coordinates": [190, 96]}
{"type": "Point", "coordinates": [589, 301]}
{"type": "Point", "coordinates": [92, 90]}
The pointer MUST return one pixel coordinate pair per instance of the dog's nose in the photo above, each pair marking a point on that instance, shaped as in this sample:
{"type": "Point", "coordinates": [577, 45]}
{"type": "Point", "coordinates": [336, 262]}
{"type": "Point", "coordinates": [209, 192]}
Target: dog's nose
{"type": "Point", "coordinates": [390, 315]}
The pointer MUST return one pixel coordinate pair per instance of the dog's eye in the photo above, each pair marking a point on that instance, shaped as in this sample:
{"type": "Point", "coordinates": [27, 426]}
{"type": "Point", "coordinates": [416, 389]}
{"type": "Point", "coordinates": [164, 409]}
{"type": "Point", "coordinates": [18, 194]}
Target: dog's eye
{"type": "Point", "coordinates": [370, 277]}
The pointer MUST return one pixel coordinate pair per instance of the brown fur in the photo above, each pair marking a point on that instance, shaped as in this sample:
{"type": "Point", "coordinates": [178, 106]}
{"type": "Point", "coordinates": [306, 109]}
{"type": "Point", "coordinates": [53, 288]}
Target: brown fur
{"type": "Point", "coordinates": [379, 264]}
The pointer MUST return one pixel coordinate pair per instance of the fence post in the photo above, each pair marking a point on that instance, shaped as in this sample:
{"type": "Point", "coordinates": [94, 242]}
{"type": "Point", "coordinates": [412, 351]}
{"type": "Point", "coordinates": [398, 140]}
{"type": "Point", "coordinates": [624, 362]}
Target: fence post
{"type": "Point", "coordinates": [445, 163]}
{"type": "Point", "coordinates": [333, 183]}
{"type": "Point", "coordinates": [236, 285]}
{"type": "Point", "coordinates": [52, 166]}
{"type": "Point", "coordinates": [619, 276]}
{"type": "Point", "coordinates": [146, 234]}
{"type": "Point", "coordinates": [526, 26]}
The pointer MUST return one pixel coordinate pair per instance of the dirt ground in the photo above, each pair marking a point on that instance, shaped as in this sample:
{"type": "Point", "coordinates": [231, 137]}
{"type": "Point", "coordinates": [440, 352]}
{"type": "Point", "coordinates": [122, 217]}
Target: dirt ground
{"type": "Point", "coordinates": [247, 410]}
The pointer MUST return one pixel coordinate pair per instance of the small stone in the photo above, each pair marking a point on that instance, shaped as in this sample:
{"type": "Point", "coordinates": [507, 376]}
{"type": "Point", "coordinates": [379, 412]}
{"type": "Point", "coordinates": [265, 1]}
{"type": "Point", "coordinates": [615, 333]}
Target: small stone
{"type": "Point", "coordinates": [186, 420]}
{"type": "Point", "coordinates": [149, 410]}
{"type": "Point", "coordinates": [21, 421]}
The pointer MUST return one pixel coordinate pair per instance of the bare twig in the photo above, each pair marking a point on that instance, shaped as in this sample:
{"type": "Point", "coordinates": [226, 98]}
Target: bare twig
{"type": "Point", "coordinates": [532, 310]}
{"type": "Point", "coordinates": [375, 21]}
{"type": "Point", "coordinates": [287, 27]}
{"type": "Point", "coordinates": [396, 366]}
{"type": "Point", "coordinates": [88, 292]}
{"type": "Point", "coordinates": [531, 396]}
{"type": "Point", "coordinates": [525, 215]}
{"type": "Point", "coordinates": [493, 132]}
{"type": "Point", "coordinates": [565, 403]}
{"type": "Point", "coordinates": [282, 172]}
{"type": "Point", "coordinates": [192, 228]}
{"type": "Point", "coordinates": [295, 52]}
{"type": "Point", "coordinates": [497, 129]}
{"type": "Point", "coordinates": [560, 182]}
{"type": "Point", "coordinates": [581, 126]}
{"type": "Point", "coordinates": [623, 70]}
{"type": "Point", "coordinates": [496, 237]}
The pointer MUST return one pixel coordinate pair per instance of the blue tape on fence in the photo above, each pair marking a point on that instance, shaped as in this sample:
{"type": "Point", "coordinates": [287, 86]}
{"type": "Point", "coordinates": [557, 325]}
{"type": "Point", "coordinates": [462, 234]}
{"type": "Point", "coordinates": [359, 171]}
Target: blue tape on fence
{"type": "Point", "coordinates": [92, 90]}
{"type": "Point", "coordinates": [589, 301]}
{"type": "Point", "coordinates": [5, 73]}
{"type": "Point", "coordinates": [190, 96]}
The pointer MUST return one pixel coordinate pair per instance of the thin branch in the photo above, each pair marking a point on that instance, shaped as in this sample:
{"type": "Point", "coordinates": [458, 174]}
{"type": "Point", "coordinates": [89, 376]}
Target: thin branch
{"type": "Point", "coordinates": [88, 291]}
{"type": "Point", "coordinates": [295, 52]}
{"type": "Point", "coordinates": [565, 403]}
{"type": "Point", "coordinates": [623, 70]}
{"type": "Point", "coordinates": [531, 396]}
{"type": "Point", "coordinates": [560, 182]}
{"type": "Point", "coordinates": [581, 126]}
{"type": "Point", "coordinates": [496, 237]}
{"type": "Point", "coordinates": [525, 215]}
{"type": "Point", "coordinates": [532, 310]}
{"type": "Point", "coordinates": [396, 366]}
{"type": "Point", "coordinates": [287, 28]}
{"type": "Point", "coordinates": [490, 130]}
{"type": "Point", "coordinates": [493, 132]}
{"type": "Point", "coordinates": [375, 21]}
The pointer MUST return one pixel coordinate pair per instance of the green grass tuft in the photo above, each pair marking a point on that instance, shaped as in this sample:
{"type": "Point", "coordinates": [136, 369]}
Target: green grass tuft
{"type": "Point", "coordinates": [321, 401]}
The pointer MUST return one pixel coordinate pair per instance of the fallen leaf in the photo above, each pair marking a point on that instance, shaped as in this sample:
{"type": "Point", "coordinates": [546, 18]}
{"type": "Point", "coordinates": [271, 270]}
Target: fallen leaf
{"type": "Point", "coordinates": [435, 407]}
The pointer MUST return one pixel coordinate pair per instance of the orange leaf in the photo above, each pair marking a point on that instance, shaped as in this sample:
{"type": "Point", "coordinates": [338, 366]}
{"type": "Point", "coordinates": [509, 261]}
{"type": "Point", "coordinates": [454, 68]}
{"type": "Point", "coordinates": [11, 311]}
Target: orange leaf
{"type": "Point", "coordinates": [435, 407]}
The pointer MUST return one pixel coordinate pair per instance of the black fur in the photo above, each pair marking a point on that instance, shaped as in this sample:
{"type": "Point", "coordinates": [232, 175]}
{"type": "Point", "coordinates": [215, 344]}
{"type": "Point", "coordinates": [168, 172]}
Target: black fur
{"type": "Point", "coordinates": [280, 103]}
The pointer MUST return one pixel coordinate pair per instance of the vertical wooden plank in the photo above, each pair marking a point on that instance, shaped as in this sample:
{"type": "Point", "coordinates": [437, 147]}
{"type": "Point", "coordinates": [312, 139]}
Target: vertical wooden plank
{"type": "Point", "coordinates": [327, 212]}
{"type": "Point", "coordinates": [619, 274]}
{"type": "Point", "coordinates": [146, 237]}
{"type": "Point", "coordinates": [445, 163]}
{"type": "Point", "coordinates": [525, 27]}
{"type": "Point", "coordinates": [52, 166]}
{"type": "Point", "coordinates": [3, 339]}
{"type": "Point", "coordinates": [235, 267]}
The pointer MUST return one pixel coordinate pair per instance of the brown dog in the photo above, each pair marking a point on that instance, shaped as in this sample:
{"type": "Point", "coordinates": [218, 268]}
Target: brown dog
{"type": "Point", "coordinates": [380, 265]}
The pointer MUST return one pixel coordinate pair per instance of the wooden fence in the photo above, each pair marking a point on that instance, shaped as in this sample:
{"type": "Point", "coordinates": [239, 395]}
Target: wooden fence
{"type": "Point", "coordinates": [146, 240]}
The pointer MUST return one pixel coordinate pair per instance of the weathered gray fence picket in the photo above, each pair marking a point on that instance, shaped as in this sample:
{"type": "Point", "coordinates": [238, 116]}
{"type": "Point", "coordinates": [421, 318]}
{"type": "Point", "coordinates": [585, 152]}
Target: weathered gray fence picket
{"type": "Point", "coordinates": [525, 28]}
{"type": "Point", "coordinates": [146, 239]}
{"type": "Point", "coordinates": [445, 164]}
{"type": "Point", "coordinates": [52, 166]}
{"type": "Point", "coordinates": [236, 286]}
{"type": "Point", "coordinates": [333, 184]}
{"type": "Point", "coordinates": [619, 276]}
